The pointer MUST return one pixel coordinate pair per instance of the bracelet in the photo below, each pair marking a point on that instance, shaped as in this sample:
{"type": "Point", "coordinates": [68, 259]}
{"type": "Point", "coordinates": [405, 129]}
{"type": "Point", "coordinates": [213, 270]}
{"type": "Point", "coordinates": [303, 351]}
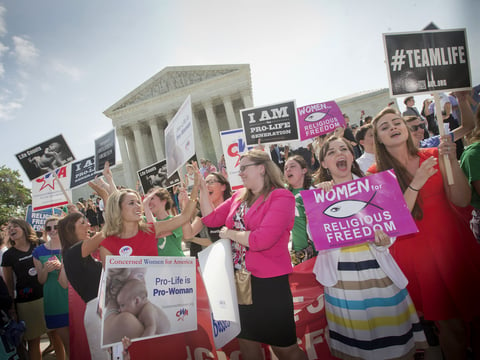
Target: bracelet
{"type": "Point", "coordinates": [411, 188]}
{"type": "Point", "coordinates": [193, 200]}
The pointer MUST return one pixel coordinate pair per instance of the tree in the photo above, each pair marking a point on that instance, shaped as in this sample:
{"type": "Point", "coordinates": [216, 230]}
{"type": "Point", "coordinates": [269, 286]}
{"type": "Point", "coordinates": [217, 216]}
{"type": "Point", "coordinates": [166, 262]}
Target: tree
{"type": "Point", "coordinates": [14, 196]}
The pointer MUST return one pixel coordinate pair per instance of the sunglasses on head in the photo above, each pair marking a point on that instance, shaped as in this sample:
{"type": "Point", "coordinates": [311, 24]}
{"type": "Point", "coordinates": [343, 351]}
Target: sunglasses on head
{"type": "Point", "coordinates": [50, 228]}
{"type": "Point", "coordinates": [416, 127]}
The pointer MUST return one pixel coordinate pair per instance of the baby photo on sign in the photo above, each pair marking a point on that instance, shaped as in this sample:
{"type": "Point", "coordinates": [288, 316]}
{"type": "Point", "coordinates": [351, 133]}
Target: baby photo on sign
{"type": "Point", "coordinates": [146, 297]}
{"type": "Point", "coordinates": [45, 157]}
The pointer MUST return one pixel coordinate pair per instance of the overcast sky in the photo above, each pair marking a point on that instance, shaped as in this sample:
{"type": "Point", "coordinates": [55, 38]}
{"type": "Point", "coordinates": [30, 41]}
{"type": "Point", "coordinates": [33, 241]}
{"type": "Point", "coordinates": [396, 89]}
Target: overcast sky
{"type": "Point", "coordinates": [62, 63]}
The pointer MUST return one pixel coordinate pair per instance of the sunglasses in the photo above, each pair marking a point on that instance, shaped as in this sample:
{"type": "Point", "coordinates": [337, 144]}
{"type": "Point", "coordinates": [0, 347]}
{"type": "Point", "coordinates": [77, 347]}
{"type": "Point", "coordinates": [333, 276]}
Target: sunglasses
{"type": "Point", "coordinates": [50, 228]}
{"type": "Point", "coordinates": [416, 127]}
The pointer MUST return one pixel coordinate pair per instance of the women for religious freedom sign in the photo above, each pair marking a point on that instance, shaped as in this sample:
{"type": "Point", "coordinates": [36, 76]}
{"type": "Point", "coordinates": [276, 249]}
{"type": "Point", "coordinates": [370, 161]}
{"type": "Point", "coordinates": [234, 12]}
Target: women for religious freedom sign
{"type": "Point", "coordinates": [318, 119]}
{"type": "Point", "coordinates": [351, 212]}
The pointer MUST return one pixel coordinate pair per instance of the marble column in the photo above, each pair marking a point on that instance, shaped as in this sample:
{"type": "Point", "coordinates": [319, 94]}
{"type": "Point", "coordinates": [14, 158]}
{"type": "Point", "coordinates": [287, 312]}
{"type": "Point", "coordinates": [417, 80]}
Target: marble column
{"type": "Point", "coordinates": [214, 132]}
{"type": "Point", "coordinates": [157, 139]}
{"type": "Point", "coordinates": [122, 144]}
{"type": "Point", "coordinates": [247, 100]}
{"type": "Point", "coordinates": [140, 145]}
{"type": "Point", "coordinates": [199, 148]}
{"type": "Point", "coordinates": [132, 151]}
{"type": "Point", "coordinates": [231, 118]}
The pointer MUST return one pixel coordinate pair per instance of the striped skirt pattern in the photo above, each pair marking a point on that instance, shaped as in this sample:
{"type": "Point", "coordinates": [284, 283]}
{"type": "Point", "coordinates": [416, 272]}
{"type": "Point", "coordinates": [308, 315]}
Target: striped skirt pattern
{"type": "Point", "coordinates": [368, 316]}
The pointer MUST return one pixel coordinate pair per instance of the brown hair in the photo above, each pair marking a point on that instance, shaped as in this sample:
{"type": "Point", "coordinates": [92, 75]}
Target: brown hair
{"type": "Point", "coordinates": [273, 178]}
{"type": "Point", "coordinates": [222, 180]}
{"type": "Point", "coordinates": [66, 230]}
{"type": "Point", "coordinates": [307, 177]}
{"type": "Point", "coordinates": [27, 229]}
{"type": "Point", "coordinates": [163, 194]}
{"type": "Point", "coordinates": [322, 173]}
{"type": "Point", "coordinates": [386, 161]}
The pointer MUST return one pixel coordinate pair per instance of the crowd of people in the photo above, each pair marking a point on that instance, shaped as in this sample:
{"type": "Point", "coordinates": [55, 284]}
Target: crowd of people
{"type": "Point", "coordinates": [380, 296]}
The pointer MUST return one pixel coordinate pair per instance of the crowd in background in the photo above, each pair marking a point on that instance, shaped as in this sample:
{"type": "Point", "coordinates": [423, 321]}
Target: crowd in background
{"type": "Point", "coordinates": [267, 225]}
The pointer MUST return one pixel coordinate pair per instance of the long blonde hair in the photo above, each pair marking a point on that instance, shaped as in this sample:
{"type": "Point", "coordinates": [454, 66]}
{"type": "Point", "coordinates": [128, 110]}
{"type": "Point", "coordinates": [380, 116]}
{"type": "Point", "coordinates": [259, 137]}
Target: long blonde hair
{"type": "Point", "coordinates": [113, 213]}
{"type": "Point", "coordinates": [273, 178]}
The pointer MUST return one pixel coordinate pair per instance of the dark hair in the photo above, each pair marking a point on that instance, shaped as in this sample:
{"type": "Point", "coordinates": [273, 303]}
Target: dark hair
{"type": "Point", "coordinates": [323, 174]}
{"type": "Point", "coordinates": [223, 181]}
{"type": "Point", "coordinates": [386, 161]}
{"type": "Point", "coordinates": [163, 194]}
{"type": "Point", "coordinates": [360, 134]}
{"type": "Point", "coordinates": [307, 177]}
{"type": "Point", "coordinates": [30, 234]}
{"type": "Point", "coordinates": [66, 230]}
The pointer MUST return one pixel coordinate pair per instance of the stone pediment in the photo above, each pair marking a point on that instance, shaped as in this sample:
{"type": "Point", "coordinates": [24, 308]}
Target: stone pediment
{"type": "Point", "coordinates": [171, 79]}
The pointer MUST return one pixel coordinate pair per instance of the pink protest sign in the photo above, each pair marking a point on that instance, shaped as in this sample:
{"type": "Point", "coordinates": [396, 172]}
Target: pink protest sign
{"type": "Point", "coordinates": [318, 119]}
{"type": "Point", "coordinates": [351, 212]}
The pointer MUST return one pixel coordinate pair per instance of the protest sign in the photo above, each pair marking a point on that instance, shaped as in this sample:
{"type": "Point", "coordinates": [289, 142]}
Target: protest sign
{"type": "Point", "coordinates": [45, 157]}
{"type": "Point", "coordinates": [216, 265]}
{"type": "Point", "coordinates": [270, 124]}
{"type": "Point", "coordinates": [156, 175]}
{"type": "Point", "coordinates": [318, 119]}
{"type": "Point", "coordinates": [352, 211]}
{"type": "Point", "coordinates": [37, 219]}
{"type": "Point", "coordinates": [51, 190]}
{"type": "Point", "coordinates": [427, 61]}
{"type": "Point", "coordinates": [233, 145]}
{"type": "Point", "coordinates": [310, 320]}
{"type": "Point", "coordinates": [159, 291]}
{"type": "Point", "coordinates": [105, 150]}
{"type": "Point", "coordinates": [179, 138]}
{"type": "Point", "coordinates": [82, 171]}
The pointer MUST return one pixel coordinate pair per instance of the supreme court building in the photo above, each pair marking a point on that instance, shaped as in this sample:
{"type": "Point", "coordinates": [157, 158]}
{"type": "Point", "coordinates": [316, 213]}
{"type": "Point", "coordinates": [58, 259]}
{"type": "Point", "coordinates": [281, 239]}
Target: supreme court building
{"type": "Point", "coordinates": [218, 93]}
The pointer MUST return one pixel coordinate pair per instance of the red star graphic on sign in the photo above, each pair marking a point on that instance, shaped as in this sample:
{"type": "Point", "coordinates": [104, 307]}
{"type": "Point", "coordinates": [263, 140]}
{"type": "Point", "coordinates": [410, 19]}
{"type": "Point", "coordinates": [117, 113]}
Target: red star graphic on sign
{"type": "Point", "coordinates": [48, 181]}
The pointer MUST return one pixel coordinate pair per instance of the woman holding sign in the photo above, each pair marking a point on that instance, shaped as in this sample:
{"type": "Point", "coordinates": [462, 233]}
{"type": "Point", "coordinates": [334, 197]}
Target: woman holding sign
{"type": "Point", "coordinates": [442, 260]}
{"type": "Point", "coordinates": [258, 220]}
{"type": "Point", "coordinates": [369, 312]}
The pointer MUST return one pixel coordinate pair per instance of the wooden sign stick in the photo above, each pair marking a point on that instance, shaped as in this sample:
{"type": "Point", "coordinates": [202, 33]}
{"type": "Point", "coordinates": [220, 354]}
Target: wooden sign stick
{"type": "Point", "coordinates": [441, 130]}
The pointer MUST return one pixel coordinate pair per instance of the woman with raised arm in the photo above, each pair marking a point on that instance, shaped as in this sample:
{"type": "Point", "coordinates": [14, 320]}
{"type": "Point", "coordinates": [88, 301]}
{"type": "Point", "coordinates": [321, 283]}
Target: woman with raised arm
{"type": "Point", "coordinates": [258, 220]}
{"type": "Point", "coordinates": [442, 260]}
{"type": "Point", "coordinates": [216, 189]}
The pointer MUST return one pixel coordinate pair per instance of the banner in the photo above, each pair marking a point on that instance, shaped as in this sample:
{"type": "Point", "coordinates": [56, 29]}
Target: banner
{"type": "Point", "coordinates": [51, 191]}
{"type": "Point", "coordinates": [179, 138]}
{"type": "Point", "coordinates": [318, 119]}
{"type": "Point", "coordinates": [159, 291]}
{"type": "Point", "coordinates": [216, 265]}
{"type": "Point", "coordinates": [233, 146]}
{"type": "Point", "coordinates": [45, 157]}
{"type": "Point", "coordinates": [105, 150]}
{"type": "Point", "coordinates": [82, 171]}
{"type": "Point", "coordinates": [270, 124]}
{"type": "Point", "coordinates": [37, 219]}
{"type": "Point", "coordinates": [427, 61]}
{"type": "Point", "coordinates": [156, 175]}
{"type": "Point", "coordinates": [352, 211]}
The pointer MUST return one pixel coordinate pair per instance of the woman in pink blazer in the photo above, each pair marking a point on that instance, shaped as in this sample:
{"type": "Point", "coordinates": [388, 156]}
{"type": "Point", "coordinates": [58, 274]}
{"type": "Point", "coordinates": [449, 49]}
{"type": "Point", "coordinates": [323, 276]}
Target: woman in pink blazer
{"type": "Point", "coordinates": [258, 220]}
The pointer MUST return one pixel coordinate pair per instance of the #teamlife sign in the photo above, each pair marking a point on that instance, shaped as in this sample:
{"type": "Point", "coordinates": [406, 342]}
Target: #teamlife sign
{"type": "Point", "coordinates": [427, 61]}
{"type": "Point", "coordinates": [160, 291]}
{"type": "Point", "coordinates": [318, 119]}
{"type": "Point", "coordinates": [351, 212]}
{"type": "Point", "coordinates": [270, 124]}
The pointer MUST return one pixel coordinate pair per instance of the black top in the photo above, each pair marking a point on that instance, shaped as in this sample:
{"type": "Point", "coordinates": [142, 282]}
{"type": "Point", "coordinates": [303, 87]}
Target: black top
{"type": "Point", "coordinates": [83, 273]}
{"type": "Point", "coordinates": [27, 286]}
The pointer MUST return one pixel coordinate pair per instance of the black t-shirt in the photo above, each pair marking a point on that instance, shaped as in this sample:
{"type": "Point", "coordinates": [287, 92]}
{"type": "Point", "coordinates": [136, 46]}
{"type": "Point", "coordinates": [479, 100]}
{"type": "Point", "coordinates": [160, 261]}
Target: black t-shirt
{"type": "Point", "coordinates": [27, 286]}
{"type": "Point", "coordinates": [83, 273]}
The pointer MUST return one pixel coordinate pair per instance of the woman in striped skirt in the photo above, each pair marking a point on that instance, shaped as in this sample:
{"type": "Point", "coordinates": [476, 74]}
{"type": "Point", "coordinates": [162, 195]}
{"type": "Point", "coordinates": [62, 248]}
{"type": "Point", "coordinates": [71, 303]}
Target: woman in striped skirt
{"type": "Point", "coordinates": [369, 312]}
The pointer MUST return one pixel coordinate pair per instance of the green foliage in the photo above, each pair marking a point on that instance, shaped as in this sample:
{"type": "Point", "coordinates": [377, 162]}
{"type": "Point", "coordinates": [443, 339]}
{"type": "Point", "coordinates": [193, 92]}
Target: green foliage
{"type": "Point", "coordinates": [14, 196]}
